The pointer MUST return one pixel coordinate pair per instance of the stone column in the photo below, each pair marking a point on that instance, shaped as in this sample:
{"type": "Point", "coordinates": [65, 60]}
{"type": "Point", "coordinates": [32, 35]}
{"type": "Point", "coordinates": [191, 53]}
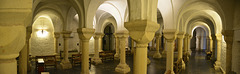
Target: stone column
{"type": "Point", "coordinates": [65, 63]}
{"type": "Point", "coordinates": [122, 67]}
{"type": "Point", "coordinates": [188, 44]}
{"type": "Point", "coordinates": [14, 17]}
{"type": "Point", "coordinates": [29, 33]}
{"type": "Point", "coordinates": [219, 48]}
{"type": "Point", "coordinates": [228, 37]}
{"type": "Point", "coordinates": [213, 47]}
{"type": "Point", "coordinates": [116, 56]}
{"type": "Point", "coordinates": [153, 44]}
{"type": "Point", "coordinates": [170, 36]}
{"type": "Point", "coordinates": [24, 63]}
{"type": "Point", "coordinates": [57, 35]}
{"type": "Point", "coordinates": [180, 37]}
{"type": "Point", "coordinates": [210, 44]}
{"type": "Point", "coordinates": [85, 34]}
{"type": "Point", "coordinates": [198, 43]}
{"type": "Point", "coordinates": [96, 58]}
{"type": "Point", "coordinates": [142, 32]}
{"type": "Point", "coordinates": [185, 48]}
{"type": "Point", "coordinates": [157, 54]}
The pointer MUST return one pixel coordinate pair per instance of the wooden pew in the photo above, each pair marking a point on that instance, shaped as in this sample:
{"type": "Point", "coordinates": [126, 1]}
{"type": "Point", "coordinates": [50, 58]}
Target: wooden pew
{"type": "Point", "coordinates": [106, 55]}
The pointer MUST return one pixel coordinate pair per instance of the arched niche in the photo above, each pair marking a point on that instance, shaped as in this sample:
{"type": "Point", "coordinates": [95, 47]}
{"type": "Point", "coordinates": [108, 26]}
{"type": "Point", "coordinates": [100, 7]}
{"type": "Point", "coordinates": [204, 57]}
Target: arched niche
{"type": "Point", "coordinates": [42, 41]}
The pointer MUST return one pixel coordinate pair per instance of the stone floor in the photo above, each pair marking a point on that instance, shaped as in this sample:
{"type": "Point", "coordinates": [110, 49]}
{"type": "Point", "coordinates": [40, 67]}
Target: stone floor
{"type": "Point", "coordinates": [197, 65]}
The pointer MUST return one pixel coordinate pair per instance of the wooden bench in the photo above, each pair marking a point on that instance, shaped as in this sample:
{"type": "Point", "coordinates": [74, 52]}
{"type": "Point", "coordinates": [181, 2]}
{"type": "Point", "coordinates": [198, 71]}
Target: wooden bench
{"type": "Point", "coordinates": [177, 68]}
{"type": "Point", "coordinates": [106, 55]}
{"type": "Point", "coordinates": [70, 53]}
{"type": "Point", "coordinates": [77, 59]}
{"type": "Point", "coordinates": [49, 60]}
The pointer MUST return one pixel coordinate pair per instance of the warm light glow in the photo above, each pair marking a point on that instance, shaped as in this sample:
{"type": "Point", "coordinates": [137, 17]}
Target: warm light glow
{"type": "Point", "coordinates": [42, 33]}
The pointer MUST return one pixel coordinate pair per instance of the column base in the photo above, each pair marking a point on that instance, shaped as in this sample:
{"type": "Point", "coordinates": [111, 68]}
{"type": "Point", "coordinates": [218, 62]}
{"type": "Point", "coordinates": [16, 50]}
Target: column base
{"type": "Point", "coordinates": [157, 55]}
{"type": "Point", "coordinates": [189, 52]}
{"type": "Point", "coordinates": [169, 72]}
{"type": "Point", "coordinates": [66, 65]}
{"type": "Point", "coordinates": [183, 65]}
{"type": "Point", "coordinates": [116, 56]}
{"type": "Point", "coordinates": [97, 60]}
{"type": "Point", "coordinates": [217, 65]}
{"type": "Point", "coordinates": [122, 68]}
{"type": "Point", "coordinates": [148, 61]}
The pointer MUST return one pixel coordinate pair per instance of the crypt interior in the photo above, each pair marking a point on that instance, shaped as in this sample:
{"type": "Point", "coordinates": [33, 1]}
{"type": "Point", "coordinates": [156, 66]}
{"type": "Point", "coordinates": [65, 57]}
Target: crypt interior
{"type": "Point", "coordinates": [119, 37]}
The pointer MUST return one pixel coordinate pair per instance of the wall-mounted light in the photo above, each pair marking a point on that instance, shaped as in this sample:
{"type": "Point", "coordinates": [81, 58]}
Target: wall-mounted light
{"type": "Point", "coordinates": [42, 33]}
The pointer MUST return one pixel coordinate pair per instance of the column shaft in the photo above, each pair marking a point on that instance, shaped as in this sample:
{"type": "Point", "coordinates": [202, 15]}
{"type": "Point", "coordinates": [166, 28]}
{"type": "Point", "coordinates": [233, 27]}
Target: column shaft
{"type": "Point", "coordinates": [117, 48]}
{"type": "Point", "coordinates": [85, 57]}
{"type": "Point", "coordinates": [140, 59]}
{"type": "Point", "coordinates": [180, 41]}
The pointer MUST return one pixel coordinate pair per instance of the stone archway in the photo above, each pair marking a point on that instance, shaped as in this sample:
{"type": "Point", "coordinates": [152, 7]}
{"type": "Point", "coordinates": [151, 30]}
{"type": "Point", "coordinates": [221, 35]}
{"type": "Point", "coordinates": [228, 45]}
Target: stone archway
{"type": "Point", "coordinates": [108, 38]}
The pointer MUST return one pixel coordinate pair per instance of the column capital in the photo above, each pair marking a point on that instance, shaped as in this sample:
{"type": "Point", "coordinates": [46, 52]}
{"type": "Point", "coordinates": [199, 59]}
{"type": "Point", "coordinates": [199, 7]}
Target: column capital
{"type": "Point", "coordinates": [228, 36]}
{"type": "Point", "coordinates": [57, 34]}
{"type": "Point", "coordinates": [122, 35]}
{"type": "Point", "coordinates": [181, 35]}
{"type": "Point", "coordinates": [219, 36]}
{"type": "Point", "coordinates": [98, 35]}
{"type": "Point", "coordinates": [170, 34]}
{"type": "Point", "coordinates": [85, 33]}
{"type": "Point", "coordinates": [142, 31]}
{"type": "Point", "coordinates": [66, 34]}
